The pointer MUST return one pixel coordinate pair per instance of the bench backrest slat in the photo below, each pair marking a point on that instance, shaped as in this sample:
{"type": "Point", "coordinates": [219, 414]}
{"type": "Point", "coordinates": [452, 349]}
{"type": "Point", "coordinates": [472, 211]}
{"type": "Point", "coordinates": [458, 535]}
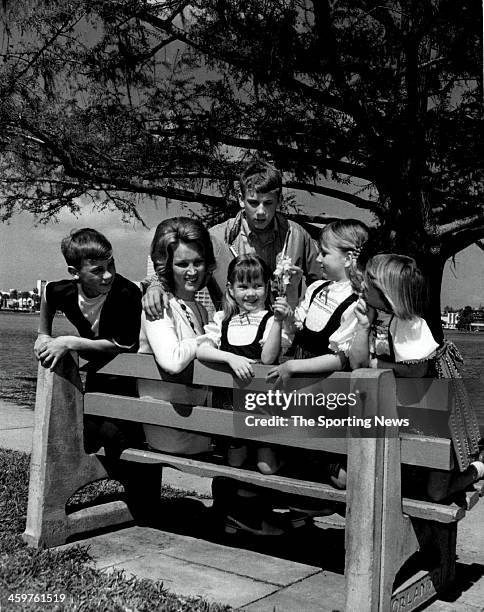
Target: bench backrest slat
{"type": "Point", "coordinates": [411, 393]}
{"type": "Point", "coordinates": [416, 450]}
{"type": "Point", "coordinates": [195, 418]}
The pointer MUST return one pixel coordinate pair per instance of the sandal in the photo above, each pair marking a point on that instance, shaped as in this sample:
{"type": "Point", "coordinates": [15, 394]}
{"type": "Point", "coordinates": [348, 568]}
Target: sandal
{"type": "Point", "coordinates": [258, 527]}
{"type": "Point", "coordinates": [312, 507]}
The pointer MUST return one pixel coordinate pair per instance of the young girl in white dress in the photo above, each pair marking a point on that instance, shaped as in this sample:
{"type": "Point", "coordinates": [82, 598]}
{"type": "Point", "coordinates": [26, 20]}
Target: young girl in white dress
{"type": "Point", "coordinates": [325, 319]}
{"type": "Point", "coordinates": [244, 332]}
{"type": "Point", "coordinates": [390, 334]}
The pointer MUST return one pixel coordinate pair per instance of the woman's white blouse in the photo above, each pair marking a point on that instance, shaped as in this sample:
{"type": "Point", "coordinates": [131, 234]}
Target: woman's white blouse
{"type": "Point", "coordinates": [412, 338]}
{"type": "Point", "coordinates": [173, 343]}
{"type": "Point", "coordinates": [172, 339]}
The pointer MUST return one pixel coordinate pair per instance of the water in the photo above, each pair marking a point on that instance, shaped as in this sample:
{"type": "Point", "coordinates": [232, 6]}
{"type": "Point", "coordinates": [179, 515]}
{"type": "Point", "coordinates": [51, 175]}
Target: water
{"type": "Point", "coordinates": [18, 367]}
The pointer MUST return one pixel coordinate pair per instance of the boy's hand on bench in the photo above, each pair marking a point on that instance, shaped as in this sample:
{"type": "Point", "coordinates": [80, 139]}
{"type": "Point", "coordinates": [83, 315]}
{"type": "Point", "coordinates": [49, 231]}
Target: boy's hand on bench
{"type": "Point", "coordinates": [155, 301]}
{"type": "Point", "coordinates": [52, 351]}
{"type": "Point", "coordinates": [40, 343]}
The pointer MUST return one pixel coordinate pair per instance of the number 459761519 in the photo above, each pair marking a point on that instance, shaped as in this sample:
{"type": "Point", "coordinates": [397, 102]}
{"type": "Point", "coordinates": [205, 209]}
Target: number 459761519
{"type": "Point", "coordinates": [36, 598]}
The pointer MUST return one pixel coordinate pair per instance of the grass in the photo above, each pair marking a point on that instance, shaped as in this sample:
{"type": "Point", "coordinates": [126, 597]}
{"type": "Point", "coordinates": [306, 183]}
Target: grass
{"type": "Point", "coordinates": [27, 570]}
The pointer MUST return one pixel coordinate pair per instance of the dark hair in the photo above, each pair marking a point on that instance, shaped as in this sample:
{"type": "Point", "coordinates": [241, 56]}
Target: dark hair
{"type": "Point", "coordinates": [85, 243]}
{"type": "Point", "coordinates": [245, 269]}
{"type": "Point", "coordinates": [261, 177]}
{"type": "Point", "coordinates": [168, 236]}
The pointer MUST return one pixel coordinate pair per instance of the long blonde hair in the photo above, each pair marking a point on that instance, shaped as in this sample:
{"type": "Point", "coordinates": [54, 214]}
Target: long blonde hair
{"type": "Point", "coordinates": [348, 236]}
{"type": "Point", "coordinates": [400, 281]}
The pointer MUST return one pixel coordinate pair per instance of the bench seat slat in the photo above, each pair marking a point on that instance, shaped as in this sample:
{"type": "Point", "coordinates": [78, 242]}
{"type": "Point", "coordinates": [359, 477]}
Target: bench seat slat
{"type": "Point", "coordinates": [415, 508]}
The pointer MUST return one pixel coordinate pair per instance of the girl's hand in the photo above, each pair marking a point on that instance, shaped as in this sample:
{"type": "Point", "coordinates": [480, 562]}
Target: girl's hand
{"type": "Point", "coordinates": [296, 274]}
{"type": "Point", "coordinates": [280, 374]}
{"type": "Point", "coordinates": [364, 314]}
{"type": "Point", "coordinates": [241, 366]}
{"type": "Point", "coordinates": [281, 309]}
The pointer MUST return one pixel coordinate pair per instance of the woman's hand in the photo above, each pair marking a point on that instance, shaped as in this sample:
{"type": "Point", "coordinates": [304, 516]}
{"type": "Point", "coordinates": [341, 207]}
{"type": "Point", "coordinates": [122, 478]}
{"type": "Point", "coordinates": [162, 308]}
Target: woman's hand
{"type": "Point", "coordinates": [281, 308]}
{"type": "Point", "coordinates": [241, 366]}
{"type": "Point", "coordinates": [280, 374]}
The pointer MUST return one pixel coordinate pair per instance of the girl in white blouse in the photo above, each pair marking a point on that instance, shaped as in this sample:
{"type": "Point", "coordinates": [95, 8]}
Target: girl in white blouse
{"type": "Point", "coordinates": [390, 334]}
{"type": "Point", "coordinates": [325, 319]}
{"type": "Point", "coordinates": [246, 331]}
{"type": "Point", "coordinates": [182, 255]}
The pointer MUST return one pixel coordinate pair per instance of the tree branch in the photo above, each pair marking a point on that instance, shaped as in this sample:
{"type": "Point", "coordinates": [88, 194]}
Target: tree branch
{"type": "Point", "coordinates": [335, 193]}
{"type": "Point", "coordinates": [451, 245]}
{"type": "Point", "coordinates": [47, 45]}
{"type": "Point", "coordinates": [288, 151]}
{"type": "Point", "coordinates": [322, 219]}
{"type": "Point", "coordinates": [449, 229]}
{"type": "Point", "coordinates": [241, 62]}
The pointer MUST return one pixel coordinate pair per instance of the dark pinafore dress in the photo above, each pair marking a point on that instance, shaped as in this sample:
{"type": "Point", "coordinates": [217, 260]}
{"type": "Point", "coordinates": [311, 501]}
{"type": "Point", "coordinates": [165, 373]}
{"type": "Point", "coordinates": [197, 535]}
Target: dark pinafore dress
{"type": "Point", "coordinates": [463, 424]}
{"type": "Point", "coordinates": [309, 343]}
{"type": "Point", "coordinates": [223, 398]}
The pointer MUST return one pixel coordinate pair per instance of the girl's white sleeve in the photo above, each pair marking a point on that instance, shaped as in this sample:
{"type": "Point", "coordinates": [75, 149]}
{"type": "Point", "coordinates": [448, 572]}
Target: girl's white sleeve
{"type": "Point", "coordinates": [301, 311]}
{"type": "Point", "coordinates": [286, 337]}
{"type": "Point", "coordinates": [340, 340]}
{"type": "Point", "coordinates": [172, 354]}
{"type": "Point", "coordinates": [213, 330]}
{"type": "Point", "coordinates": [412, 340]}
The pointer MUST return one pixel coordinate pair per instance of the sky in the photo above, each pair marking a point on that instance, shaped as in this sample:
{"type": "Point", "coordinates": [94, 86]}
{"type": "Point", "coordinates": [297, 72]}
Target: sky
{"type": "Point", "coordinates": [29, 252]}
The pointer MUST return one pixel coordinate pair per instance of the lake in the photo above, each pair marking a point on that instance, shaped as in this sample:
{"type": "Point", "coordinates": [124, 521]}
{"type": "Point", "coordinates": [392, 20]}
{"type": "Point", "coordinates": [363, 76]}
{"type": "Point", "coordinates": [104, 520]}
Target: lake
{"type": "Point", "coordinates": [18, 367]}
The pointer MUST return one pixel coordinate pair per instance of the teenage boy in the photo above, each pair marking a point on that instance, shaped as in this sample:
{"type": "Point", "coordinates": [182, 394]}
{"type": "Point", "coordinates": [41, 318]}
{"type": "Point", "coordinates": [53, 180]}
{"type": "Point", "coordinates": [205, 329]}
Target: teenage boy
{"type": "Point", "coordinates": [257, 229]}
{"type": "Point", "coordinates": [103, 306]}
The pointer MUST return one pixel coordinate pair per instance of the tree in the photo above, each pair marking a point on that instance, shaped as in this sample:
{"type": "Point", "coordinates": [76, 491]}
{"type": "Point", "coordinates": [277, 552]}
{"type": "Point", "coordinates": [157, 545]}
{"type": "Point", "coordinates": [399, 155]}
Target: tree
{"type": "Point", "coordinates": [466, 317]}
{"type": "Point", "coordinates": [116, 99]}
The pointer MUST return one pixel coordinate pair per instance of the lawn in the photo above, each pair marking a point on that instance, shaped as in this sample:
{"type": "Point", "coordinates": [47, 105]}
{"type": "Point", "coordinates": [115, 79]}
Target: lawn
{"type": "Point", "coordinates": [25, 570]}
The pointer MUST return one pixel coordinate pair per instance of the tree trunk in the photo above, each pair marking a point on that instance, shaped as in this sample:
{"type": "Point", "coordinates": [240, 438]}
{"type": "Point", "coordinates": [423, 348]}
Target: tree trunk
{"type": "Point", "coordinates": [433, 268]}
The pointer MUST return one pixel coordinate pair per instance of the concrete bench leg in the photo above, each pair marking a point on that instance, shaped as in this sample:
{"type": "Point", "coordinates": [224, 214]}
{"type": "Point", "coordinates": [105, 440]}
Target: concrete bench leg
{"type": "Point", "coordinates": [59, 466]}
{"type": "Point", "coordinates": [379, 538]}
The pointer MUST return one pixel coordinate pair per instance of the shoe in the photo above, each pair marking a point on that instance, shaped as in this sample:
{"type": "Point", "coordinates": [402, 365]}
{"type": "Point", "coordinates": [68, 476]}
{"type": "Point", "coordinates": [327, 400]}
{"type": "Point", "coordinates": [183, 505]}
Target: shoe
{"type": "Point", "coordinates": [312, 507]}
{"type": "Point", "coordinates": [267, 461]}
{"type": "Point", "coordinates": [237, 455]}
{"type": "Point", "coordinates": [260, 527]}
{"type": "Point", "coordinates": [298, 519]}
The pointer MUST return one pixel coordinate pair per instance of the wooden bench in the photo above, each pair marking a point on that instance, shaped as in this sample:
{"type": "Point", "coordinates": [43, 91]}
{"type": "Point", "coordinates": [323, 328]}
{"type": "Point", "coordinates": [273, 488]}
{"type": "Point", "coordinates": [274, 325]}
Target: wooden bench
{"type": "Point", "coordinates": [383, 530]}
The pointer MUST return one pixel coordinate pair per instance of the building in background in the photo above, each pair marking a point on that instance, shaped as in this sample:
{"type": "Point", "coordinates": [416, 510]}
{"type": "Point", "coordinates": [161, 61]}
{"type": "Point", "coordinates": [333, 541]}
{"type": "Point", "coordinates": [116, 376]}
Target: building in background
{"type": "Point", "coordinates": [450, 319]}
